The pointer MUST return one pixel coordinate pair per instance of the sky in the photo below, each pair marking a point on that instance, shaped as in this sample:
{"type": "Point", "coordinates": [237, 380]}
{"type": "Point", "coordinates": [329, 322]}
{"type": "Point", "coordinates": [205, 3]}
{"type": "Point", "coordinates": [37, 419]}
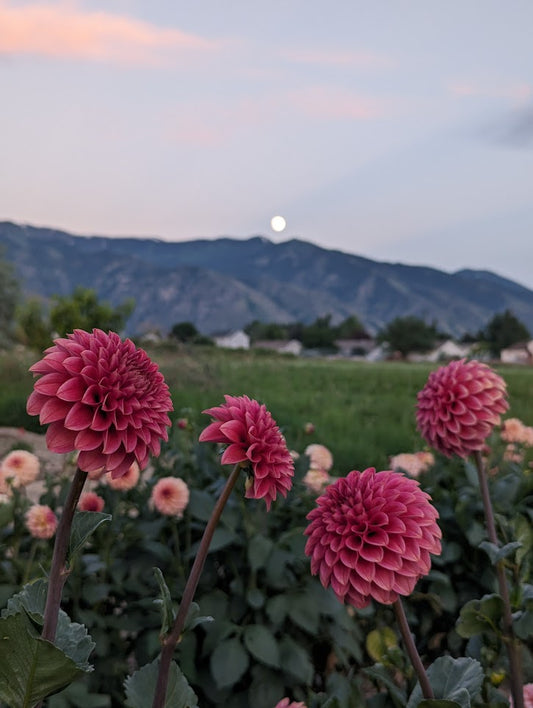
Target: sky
{"type": "Point", "coordinates": [399, 130]}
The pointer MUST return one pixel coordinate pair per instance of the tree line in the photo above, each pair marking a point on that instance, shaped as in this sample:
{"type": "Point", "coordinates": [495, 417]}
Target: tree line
{"type": "Point", "coordinates": [33, 324]}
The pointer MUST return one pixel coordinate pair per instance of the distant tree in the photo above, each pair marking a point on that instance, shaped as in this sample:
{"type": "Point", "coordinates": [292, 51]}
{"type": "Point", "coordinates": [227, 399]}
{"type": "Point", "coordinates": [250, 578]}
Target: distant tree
{"type": "Point", "coordinates": [184, 331]}
{"type": "Point", "coordinates": [33, 327]}
{"type": "Point", "coordinates": [83, 310]}
{"type": "Point", "coordinates": [257, 330]}
{"type": "Point", "coordinates": [9, 295]}
{"type": "Point", "coordinates": [503, 330]}
{"type": "Point", "coordinates": [409, 334]}
{"type": "Point", "coordinates": [351, 328]}
{"type": "Point", "coordinates": [320, 334]}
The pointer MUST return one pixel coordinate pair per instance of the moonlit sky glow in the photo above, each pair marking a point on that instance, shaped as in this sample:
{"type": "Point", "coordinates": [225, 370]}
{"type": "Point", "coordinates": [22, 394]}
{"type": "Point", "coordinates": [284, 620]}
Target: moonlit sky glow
{"type": "Point", "coordinates": [399, 131]}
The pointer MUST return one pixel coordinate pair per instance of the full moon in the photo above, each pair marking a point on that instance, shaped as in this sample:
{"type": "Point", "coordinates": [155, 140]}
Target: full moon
{"type": "Point", "coordinates": [278, 223]}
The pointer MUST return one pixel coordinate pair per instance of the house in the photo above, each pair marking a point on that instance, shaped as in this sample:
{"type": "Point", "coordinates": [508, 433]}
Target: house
{"type": "Point", "coordinates": [521, 353]}
{"type": "Point", "coordinates": [355, 347]}
{"type": "Point", "coordinates": [444, 352]}
{"type": "Point", "coordinates": [236, 339]}
{"type": "Point", "coordinates": [282, 346]}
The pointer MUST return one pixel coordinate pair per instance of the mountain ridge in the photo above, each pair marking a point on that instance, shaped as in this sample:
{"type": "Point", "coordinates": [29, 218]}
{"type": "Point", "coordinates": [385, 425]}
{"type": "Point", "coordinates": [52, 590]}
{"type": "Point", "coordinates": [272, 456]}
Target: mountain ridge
{"type": "Point", "coordinates": [225, 283]}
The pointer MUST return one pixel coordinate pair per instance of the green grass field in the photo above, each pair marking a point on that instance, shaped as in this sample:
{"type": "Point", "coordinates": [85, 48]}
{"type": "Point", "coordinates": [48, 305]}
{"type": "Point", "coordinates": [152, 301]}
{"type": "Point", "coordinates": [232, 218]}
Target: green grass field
{"type": "Point", "coordinates": [363, 412]}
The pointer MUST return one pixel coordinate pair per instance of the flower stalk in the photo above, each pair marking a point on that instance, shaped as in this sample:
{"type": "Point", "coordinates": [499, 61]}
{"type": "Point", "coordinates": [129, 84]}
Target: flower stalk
{"type": "Point", "coordinates": [58, 571]}
{"type": "Point", "coordinates": [510, 641]}
{"type": "Point", "coordinates": [412, 651]}
{"type": "Point", "coordinates": [171, 640]}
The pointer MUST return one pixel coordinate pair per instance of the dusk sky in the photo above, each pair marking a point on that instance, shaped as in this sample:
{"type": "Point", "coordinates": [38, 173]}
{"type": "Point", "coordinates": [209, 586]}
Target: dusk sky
{"type": "Point", "coordinates": [400, 130]}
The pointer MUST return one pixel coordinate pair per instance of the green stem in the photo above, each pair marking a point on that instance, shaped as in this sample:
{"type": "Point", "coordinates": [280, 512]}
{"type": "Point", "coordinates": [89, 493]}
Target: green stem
{"type": "Point", "coordinates": [510, 641]}
{"type": "Point", "coordinates": [412, 651]}
{"type": "Point", "coordinates": [58, 570]}
{"type": "Point", "coordinates": [171, 640]}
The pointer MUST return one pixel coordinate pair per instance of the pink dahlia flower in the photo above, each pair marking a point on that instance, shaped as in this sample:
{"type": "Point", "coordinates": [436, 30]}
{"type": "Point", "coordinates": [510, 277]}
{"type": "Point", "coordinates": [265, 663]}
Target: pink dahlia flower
{"type": "Point", "coordinates": [320, 458]}
{"type": "Point", "coordinates": [413, 463]}
{"type": "Point", "coordinates": [128, 480]}
{"type": "Point", "coordinates": [90, 501]}
{"type": "Point", "coordinates": [253, 438]}
{"type": "Point", "coordinates": [21, 467]}
{"type": "Point", "coordinates": [102, 396]}
{"type": "Point", "coordinates": [170, 496]}
{"type": "Point", "coordinates": [316, 480]}
{"type": "Point", "coordinates": [286, 703]}
{"type": "Point", "coordinates": [370, 536]}
{"type": "Point", "coordinates": [459, 406]}
{"type": "Point", "coordinates": [41, 521]}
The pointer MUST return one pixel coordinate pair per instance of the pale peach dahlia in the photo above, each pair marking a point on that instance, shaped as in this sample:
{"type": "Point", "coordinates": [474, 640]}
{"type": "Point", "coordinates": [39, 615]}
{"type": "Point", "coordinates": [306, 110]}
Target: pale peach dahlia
{"type": "Point", "coordinates": [371, 535]}
{"type": "Point", "coordinates": [21, 467]}
{"type": "Point", "coordinates": [170, 496]}
{"type": "Point", "coordinates": [459, 406]}
{"type": "Point", "coordinates": [253, 438]}
{"type": "Point", "coordinates": [41, 521]}
{"type": "Point", "coordinates": [102, 396]}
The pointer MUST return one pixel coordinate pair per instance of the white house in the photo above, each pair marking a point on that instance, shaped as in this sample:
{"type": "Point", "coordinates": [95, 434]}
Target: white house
{"type": "Point", "coordinates": [521, 353]}
{"type": "Point", "coordinates": [237, 339]}
{"type": "Point", "coordinates": [282, 346]}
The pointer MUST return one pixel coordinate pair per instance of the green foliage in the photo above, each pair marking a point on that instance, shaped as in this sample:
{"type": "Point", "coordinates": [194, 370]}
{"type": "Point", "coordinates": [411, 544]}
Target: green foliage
{"type": "Point", "coordinates": [184, 332]}
{"type": "Point", "coordinates": [33, 328]}
{"type": "Point", "coordinates": [453, 680]}
{"type": "Point", "coordinates": [503, 330]}
{"type": "Point", "coordinates": [409, 334]}
{"type": "Point", "coordinates": [140, 688]}
{"type": "Point", "coordinates": [9, 295]}
{"type": "Point", "coordinates": [83, 310]}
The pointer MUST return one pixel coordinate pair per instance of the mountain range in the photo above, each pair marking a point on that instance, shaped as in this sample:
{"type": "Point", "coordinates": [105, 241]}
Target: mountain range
{"type": "Point", "coordinates": [225, 283]}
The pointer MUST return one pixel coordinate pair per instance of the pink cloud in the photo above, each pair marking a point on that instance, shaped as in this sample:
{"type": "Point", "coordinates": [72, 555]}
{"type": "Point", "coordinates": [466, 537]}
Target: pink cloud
{"type": "Point", "coordinates": [518, 92]}
{"type": "Point", "coordinates": [337, 104]}
{"type": "Point", "coordinates": [65, 31]}
{"type": "Point", "coordinates": [354, 59]}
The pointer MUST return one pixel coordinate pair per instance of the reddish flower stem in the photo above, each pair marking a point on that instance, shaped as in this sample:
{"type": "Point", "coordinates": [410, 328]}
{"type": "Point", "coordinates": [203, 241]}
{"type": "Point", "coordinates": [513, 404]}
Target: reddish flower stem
{"type": "Point", "coordinates": [510, 641]}
{"type": "Point", "coordinates": [412, 651]}
{"type": "Point", "coordinates": [171, 640]}
{"type": "Point", "coordinates": [58, 571]}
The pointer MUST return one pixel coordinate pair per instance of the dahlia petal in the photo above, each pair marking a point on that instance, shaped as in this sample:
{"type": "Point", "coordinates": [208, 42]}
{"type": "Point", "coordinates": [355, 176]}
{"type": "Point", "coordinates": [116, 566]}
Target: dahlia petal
{"type": "Point", "coordinates": [35, 402]}
{"type": "Point", "coordinates": [101, 421]}
{"type": "Point", "coordinates": [79, 417]}
{"type": "Point", "coordinates": [52, 410]}
{"type": "Point", "coordinates": [232, 454]}
{"type": "Point", "coordinates": [234, 431]}
{"type": "Point", "coordinates": [91, 460]}
{"type": "Point", "coordinates": [71, 390]}
{"type": "Point", "coordinates": [212, 434]}
{"type": "Point", "coordinates": [49, 384]}
{"type": "Point", "coordinates": [87, 440]}
{"type": "Point", "coordinates": [59, 439]}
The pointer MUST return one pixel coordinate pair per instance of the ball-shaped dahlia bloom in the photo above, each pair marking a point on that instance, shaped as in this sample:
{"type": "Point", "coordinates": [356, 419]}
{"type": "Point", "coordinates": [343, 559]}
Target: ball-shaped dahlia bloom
{"type": "Point", "coordinates": [102, 396]}
{"type": "Point", "coordinates": [21, 467]}
{"type": "Point", "coordinates": [91, 501]}
{"type": "Point", "coordinates": [459, 406]}
{"type": "Point", "coordinates": [371, 535]}
{"type": "Point", "coordinates": [128, 480]}
{"type": "Point", "coordinates": [170, 496]}
{"type": "Point", "coordinates": [41, 521]}
{"type": "Point", "coordinates": [254, 439]}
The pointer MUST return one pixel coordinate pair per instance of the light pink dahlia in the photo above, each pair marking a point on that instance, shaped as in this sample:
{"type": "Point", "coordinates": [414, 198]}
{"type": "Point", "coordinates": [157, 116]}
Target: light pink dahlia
{"type": "Point", "coordinates": [128, 480]}
{"type": "Point", "coordinates": [286, 703]}
{"type": "Point", "coordinates": [253, 438]}
{"type": "Point", "coordinates": [370, 536]}
{"type": "Point", "coordinates": [21, 467]}
{"type": "Point", "coordinates": [91, 501]}
{"type": "Point", "coordinates": [41, 521]}
{"type": "Point", "coordinates": [459, 406]}
{"type": "Point", "coordinates": [170, 496]}
{"type": "Point", "coordinates": [102, 396]}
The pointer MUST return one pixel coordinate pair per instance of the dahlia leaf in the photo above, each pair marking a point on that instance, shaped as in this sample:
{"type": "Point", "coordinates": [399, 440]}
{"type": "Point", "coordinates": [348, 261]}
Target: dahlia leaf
{"type": "Point", "coordinates": [165, 602]}
{"type": "Point", "coordinates": [438, 703]}
{"type": "Point", "coordinates": [261, 644]}
{"type": "Point", "coordinates": [295, 660]}
{"type": "Point", "coordinates": [456, 680]}
{"type": "Point", "coordinates": [497, 553]}
{"type": "Point", "coordinates": [84, 525]}
{"type": "Point", "coordinates": [229, 662]}
{"type": "Point", "coordinates": [266, 689]}
{"type": "Point", "coordinates": [194, 618]}
{"type": "Point", "coordinates": [479, 616]}
{"type": "Point", "coordinates": [201, 505]}
{"type": "Point", "coordinates": [140, 688]}
{"type": "Point", "coordinates": [523, 624]}
{"type": "Point", "coordinates": [259, 549]}
{"type": "Point", "coordinates": [31, 668]}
